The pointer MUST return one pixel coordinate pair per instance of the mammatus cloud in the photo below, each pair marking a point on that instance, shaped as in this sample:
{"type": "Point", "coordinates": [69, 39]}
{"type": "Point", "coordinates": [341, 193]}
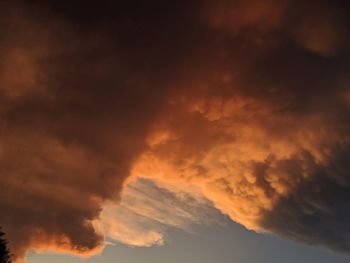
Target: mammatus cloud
{"type": "Point", "coordinates": [240, 104]}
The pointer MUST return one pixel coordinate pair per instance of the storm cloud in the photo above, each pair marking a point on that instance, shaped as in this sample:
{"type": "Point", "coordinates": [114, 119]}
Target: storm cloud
{"type": "Point", "coordinates": [244, 105]}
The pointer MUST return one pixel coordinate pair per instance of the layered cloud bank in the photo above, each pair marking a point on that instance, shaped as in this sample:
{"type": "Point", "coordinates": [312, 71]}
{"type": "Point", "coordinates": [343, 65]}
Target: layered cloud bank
{"type": "Point", "coordinates": [237, 106]}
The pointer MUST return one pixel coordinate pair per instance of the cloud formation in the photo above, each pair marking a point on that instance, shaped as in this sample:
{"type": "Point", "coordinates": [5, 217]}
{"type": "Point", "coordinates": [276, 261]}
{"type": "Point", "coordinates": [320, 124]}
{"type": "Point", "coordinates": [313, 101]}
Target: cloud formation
{"type": "Point", "coordinates": [241, 104]}
{"type": "Point", "coordinates": [74, 112]}
{"type": "Point", "coordinates": [147, 210]}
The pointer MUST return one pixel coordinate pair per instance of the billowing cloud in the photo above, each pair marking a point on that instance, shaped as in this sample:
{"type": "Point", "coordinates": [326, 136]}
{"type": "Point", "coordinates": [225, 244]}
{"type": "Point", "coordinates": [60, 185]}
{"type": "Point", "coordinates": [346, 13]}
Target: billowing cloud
{"type": "Point", "coordinates": [243, 105]}
{"type": "Point", "coordinates": [74, 112]}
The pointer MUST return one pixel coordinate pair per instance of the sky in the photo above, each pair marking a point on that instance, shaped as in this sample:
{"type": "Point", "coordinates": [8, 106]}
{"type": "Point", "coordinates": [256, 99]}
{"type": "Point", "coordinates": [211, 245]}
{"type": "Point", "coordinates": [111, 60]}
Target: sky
{"type": "Point", "coordinates": [231, 243]}
{"type": "Point", "coordinates": [154, 129]}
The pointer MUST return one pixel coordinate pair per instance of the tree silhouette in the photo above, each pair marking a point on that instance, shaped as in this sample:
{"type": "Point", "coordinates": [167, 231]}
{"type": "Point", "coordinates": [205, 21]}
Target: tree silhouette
{"type": "Point", "coordinates": [5, 256]}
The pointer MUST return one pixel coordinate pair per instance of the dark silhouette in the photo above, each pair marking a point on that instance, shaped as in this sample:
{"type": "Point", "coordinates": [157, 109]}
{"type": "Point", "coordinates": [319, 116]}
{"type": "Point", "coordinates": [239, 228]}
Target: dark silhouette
{"type": "Point", "coordinates": [5, 256]}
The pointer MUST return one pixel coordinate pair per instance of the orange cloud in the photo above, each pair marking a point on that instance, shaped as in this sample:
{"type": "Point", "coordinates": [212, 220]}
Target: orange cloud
{"type": "Point", "coordinates": [234, 104]}
{"type": "Point", "coordinates": [230, 150]}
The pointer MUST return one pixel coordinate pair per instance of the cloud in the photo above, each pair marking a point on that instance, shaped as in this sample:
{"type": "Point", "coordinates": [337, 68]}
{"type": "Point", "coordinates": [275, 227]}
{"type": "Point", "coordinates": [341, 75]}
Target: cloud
{"type": "Point", "coordinates": [261, 124]}
{"type": "Point", "coordinates": [70, 129]}
{"type": "Point", "coordinates": [236, 104]}
{"type": "Point", "coordinates": [146, 211]}
{"type": "Point", "coordinates": [318, 208]}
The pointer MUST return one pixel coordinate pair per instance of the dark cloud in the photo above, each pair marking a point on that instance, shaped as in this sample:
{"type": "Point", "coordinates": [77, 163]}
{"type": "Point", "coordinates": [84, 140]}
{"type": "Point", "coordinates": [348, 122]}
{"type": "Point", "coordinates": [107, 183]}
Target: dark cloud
{"type": "Point", "coordinates": [249, 99]}
{"type": "Point", "coordinates": [75, 107]}
{"type": "Point", "coordinates": [317, 210]}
